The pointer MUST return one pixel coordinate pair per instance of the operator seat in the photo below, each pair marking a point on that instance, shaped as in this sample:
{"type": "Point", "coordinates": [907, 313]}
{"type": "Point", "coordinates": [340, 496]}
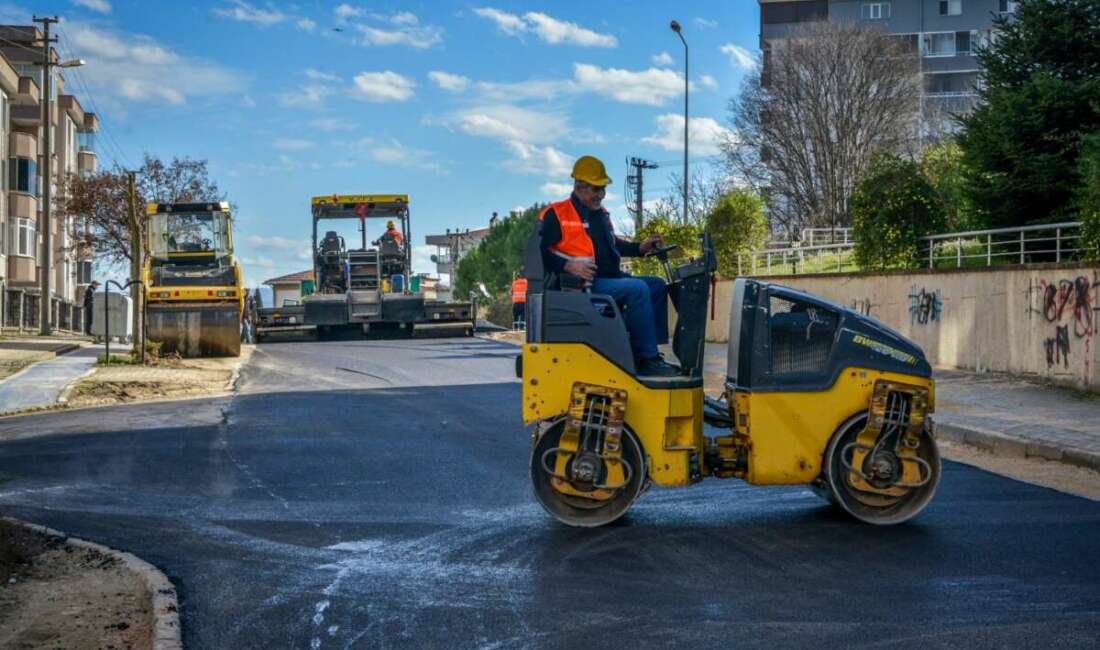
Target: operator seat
{"type": "Point", "coordinates": [557, 313]}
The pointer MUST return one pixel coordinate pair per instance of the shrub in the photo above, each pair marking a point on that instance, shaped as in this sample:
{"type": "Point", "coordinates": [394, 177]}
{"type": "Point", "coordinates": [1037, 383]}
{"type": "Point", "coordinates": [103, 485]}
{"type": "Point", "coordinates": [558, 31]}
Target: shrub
{"type": "Point", "coordinates": [1088, 196]}
{"type": "Point", "coordinates": [892, 208]}
{"type": "Point", "coordinates": [737, 224]}
{"type": "Point", "coordinates": [686, 236]}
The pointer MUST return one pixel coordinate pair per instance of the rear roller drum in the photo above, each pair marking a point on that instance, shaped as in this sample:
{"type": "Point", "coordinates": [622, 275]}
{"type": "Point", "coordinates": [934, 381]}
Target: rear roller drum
{"type": "Point", "coordinates": [874, 507]}
{"type": "Point", "coordinates": [575, 510]}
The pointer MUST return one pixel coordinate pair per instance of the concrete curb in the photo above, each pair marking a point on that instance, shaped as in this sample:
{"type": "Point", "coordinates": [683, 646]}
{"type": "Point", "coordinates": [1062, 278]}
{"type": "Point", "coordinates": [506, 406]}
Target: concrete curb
{"type": "Point", "coordinates": [166, 619]}
{"type": "Point", "coordinates": [1008, 446]}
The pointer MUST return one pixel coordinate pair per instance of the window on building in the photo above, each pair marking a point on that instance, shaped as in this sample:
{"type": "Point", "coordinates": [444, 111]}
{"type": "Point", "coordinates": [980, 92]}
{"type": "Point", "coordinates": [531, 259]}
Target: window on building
{"type": "Point", "coordinates": [1007, 6]}
{"type": "Point", "coordinates": [951, 7]}
{"type": "Point", "coordinates": [23, 175]}
{"type": "Point", "coordinates": [962, 42]}
{"type": "Point", "coordinates": [794, 12]}
{"type": "Point", "coordinates": [24, 237]}
{"type": "Point", "coordinates": [84, 272]}
{"type": "Point", "coordinates": [950, 83]}
{"type": "Point", "coordinates": [939, 44]}
{"type": "Point", "coordinates": [875, 10]}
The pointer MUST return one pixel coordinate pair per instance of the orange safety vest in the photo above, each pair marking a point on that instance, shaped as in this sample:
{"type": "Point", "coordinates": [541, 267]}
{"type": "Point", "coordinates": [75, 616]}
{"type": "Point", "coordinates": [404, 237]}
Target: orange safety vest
{"type": "Point", "coordinates": [396, 234]}
{"type": "Point", "coordinates": [519, 290]}
{"type": "Point", "coordinates": [575, 242]}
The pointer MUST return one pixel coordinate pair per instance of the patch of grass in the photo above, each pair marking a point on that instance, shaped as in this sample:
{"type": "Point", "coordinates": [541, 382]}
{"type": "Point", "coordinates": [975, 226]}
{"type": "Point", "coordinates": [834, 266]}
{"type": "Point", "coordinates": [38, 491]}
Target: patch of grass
{"type": "Point", "coordinates": [117, 360]}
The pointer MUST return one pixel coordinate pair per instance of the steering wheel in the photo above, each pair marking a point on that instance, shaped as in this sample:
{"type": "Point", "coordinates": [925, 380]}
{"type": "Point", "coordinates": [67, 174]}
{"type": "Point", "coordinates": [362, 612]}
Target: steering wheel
{"type": "Point", "coordinates": [661, 252]}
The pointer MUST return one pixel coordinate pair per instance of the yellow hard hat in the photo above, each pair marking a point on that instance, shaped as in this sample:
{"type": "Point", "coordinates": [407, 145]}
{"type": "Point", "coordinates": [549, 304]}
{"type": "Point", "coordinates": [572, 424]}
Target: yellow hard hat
{"type": "Point", "coordinates": [389, 224]}
{"type": "Point", "coordinates": [590, 170]}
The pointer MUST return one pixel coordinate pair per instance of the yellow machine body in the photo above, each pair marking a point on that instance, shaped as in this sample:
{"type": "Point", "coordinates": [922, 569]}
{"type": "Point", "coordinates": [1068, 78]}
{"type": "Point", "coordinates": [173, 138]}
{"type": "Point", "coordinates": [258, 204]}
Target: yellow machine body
{"type": "Point", "coordinates": [783, 435]}
{"type": "Point", "coordinates": [200, 317]}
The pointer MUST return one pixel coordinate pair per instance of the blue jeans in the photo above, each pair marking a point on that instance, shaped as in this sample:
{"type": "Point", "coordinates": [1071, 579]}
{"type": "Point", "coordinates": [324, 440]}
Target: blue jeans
{"type": "Point", "coordinates": [645, 302]}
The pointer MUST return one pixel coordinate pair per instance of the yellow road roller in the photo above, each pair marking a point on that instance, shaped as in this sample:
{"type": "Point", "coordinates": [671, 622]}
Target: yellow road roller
{"type": "Point", "coordinates": [815, 394]}
{"type": "Point", "coordinates": [193, 289]}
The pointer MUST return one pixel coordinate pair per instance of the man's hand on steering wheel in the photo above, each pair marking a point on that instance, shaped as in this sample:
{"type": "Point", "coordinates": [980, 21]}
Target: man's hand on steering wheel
{"type": "Point", "coordinates": [653, 241]}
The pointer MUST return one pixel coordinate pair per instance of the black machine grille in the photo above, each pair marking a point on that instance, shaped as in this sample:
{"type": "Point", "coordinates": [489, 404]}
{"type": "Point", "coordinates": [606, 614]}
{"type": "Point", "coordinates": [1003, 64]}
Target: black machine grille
{"type": "Point", "coordinates": [801, 338]}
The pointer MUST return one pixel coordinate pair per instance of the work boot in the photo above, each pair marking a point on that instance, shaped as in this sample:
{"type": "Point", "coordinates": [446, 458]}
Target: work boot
{"type": "Point", "coordinates": [657, 367]}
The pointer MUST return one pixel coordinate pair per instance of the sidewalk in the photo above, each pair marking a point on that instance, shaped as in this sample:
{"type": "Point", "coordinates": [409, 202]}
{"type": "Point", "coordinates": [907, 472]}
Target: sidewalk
{"type": "Point", "coordinates": [1006, 415]}
{"type": "Point", "coordinates": [40, 384]}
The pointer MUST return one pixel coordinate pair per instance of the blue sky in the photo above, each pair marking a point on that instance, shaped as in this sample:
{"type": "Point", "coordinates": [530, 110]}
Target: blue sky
{"type": "Point", "coordinates": [468, 107]}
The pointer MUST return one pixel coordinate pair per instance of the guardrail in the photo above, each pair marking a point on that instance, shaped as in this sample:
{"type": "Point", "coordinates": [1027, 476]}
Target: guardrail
{"type": "Point", "coordinates": [1055, 242]}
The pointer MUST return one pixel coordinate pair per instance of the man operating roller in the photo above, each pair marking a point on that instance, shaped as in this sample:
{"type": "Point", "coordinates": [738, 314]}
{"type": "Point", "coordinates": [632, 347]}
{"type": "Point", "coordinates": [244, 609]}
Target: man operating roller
{"type": "Point", "coordinates": [578, 239]}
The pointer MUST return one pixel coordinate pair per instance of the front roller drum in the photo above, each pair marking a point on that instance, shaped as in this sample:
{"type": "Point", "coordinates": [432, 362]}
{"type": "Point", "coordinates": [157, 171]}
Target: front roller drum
{"type": "Point", "coordinates": [196, 329]}
{"type": "Point", "coordinates": [603, 506]}
{"type": "Point", "coordinates": [902, 501]}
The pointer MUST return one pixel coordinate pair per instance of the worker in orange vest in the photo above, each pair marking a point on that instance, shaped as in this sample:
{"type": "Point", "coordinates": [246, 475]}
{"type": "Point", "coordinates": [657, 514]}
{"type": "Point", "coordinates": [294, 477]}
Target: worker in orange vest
{"type": "Point", "coordinates": [579, 243]}
{"type": "Point", "coordinates": [519, 300]}
{"type": "Point", "coordinates": [393, 233]}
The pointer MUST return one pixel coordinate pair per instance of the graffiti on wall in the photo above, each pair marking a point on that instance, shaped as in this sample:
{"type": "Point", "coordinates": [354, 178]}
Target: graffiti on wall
{"type": "Point", "coordinates": [924, 306]}
{"type": "Point", "coordinates": [862, 306]}
{"type": "Point", "coordinates": [1069, 306]}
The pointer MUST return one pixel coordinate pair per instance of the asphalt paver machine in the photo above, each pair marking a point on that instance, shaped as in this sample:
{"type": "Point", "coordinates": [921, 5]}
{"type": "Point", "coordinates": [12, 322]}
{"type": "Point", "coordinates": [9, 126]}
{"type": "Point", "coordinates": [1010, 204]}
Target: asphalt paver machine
{"type": "Point", "coordinates": [193, 289]}
{"type": "Point", "coordinates": [814, 394]}
{"type": "Point", "coordinates": [372, 285]}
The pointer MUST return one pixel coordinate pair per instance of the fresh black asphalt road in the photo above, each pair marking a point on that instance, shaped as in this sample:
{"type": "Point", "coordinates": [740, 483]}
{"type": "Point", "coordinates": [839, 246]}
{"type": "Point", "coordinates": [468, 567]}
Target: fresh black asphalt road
{"type": "Point", "coordinates": [374, 494]}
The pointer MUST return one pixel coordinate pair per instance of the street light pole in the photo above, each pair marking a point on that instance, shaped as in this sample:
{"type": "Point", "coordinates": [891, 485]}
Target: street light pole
{"type": "Point", "coordinates": [45, 305]}
{"type": "Point", "coordinates": [676, 28]}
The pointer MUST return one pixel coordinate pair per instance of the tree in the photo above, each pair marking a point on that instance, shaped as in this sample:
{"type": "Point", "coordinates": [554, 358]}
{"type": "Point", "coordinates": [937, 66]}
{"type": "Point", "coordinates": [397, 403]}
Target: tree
{"type": "Point", "coordinates": [674, 232]}
{"type": "Point", "coordinates": [806, 127]}
{"type": "Point", "coordinates": [942, 165]}
{"type": "Point", "coordinates": [1088, 196]}
{"type": "Point", "coordinates": [736, 224]}
{"type": "Point", "coordinates": [1040, 96]}
{"type": "Point", "coordinates": [892, 209]}
{"type": "Point", "coordinates": [99, 203]}
{"type": "Point", "coordinates": [498, 256]}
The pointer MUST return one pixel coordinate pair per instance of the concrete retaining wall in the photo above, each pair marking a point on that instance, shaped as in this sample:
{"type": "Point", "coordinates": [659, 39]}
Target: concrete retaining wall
{"type": "Point", "coordinates": [1036, 320]}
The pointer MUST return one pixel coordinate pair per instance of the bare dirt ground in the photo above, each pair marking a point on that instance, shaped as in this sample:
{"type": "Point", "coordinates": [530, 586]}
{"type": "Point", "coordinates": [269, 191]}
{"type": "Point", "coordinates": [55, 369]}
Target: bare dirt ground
{"type": "Point", "coordinates": [168, 379]}
{"type": "Point", "coordinates": [56, 596]}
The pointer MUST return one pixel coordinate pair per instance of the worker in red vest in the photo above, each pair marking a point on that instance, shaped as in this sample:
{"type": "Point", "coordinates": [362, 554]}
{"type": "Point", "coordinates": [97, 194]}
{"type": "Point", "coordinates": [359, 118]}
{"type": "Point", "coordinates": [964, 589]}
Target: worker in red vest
{"type": "Point", "coordinates": [579, 240]}
{"type": "Point", "coordinates": [519, 300]}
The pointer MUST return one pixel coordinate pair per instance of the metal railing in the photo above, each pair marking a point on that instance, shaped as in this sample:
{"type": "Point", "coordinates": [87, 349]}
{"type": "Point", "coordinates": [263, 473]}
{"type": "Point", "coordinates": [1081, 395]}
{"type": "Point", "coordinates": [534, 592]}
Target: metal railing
{"type": "Point", "coordinates": [1055, 242]}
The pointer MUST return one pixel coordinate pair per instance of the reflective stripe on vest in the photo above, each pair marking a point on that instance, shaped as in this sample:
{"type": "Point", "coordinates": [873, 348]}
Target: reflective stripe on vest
{"type": "Point", "coordinates": [575, 243]}
{"type": "Point", "coordinates": [519, 290]}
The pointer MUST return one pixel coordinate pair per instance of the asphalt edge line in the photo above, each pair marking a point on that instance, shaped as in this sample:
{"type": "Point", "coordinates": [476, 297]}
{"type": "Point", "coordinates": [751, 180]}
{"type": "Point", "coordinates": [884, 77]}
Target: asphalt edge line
{"type": "Point", "coordinates": [1008, 446]}
{"type": "Point", "coordinates": [59, 408]}
{"type": "Point", "coordinates": [165, 602]}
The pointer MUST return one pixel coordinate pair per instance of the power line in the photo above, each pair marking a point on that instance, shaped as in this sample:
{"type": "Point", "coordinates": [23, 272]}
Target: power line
{"type": "Point", "coordinates": [119, 157]}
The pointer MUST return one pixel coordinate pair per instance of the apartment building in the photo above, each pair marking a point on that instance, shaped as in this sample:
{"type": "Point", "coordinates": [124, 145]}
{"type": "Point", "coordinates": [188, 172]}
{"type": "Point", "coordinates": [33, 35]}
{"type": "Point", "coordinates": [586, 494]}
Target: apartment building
{"type": "Point", "coordinates": [21, 161]}
{"type": "Point", "coordinates": [945, 32]}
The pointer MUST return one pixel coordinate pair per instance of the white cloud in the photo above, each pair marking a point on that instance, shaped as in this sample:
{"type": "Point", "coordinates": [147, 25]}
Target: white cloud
{"type": "Point", "coordinates": [556, 31]}
{"type": "Point", "coordinates": [420, 38]}
{"type": "Point", "coordinates": [708, 82]}
{"type": "Point", "coordinates": [704, 134]}
{"type": "Point", "coordinates": [318, 75]}
{"type": "Point", "coordinates": [662, 59]}
{"type": "Point", "coordinates": [706, 23]}
{"type": "Point", "coordinates": [245, 12]}
{"type": "Point", "coordinates": [394, 153]}
{"type": "Point", "coordinates": [307, 95]}
{"type": "Point", "coordinates": [506, 122]}
{"type": "Point", "coordinates": [522, 90]}
{"type": "Point", "coordinates": [507, 23]}
{"type": "Point", "coordinates": [247, 101]}
{"type": "Point", "coordinates": [137, 68]}
{"type": "Point", "coordinates": [102, 6]}
{"type": "Point", "coordinates": [306, 25]}
{"type": "Point", "coordinates": [404, 18]}
{"type": "Point", "coordinates": [549, 29]}
{"type": "Point", "coordinates": [543, 161]}
{"type": "Point", "coordinates": [300, 247]}
{"type": "Point", "coordinates": [652, 87]}
{"type": "Point", "coordinates": [386, 86]}
{"type": "Point", "coordinates": [292, 144]}
{"type": "Point", "coordinates": [345, 11]}
{"type": "Point", "coordinates": [739, 57]}
{"type": "Point", "coordinates": [557, 189]}
{"type": "Point", "coordinates": [332, 124]}
{"type": "Point", "coordinates": [447, 81]}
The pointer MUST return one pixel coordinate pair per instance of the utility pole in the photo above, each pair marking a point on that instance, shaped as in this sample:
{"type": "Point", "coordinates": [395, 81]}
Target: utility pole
{"type": "Point", "coordinates": [136, 259]}
{"type": "Point", "coordinates": [676, 28]}
{"type": "Point", "coordinates": [45, 328]}
{"type": "Point", "coordinates": [635, 181]}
